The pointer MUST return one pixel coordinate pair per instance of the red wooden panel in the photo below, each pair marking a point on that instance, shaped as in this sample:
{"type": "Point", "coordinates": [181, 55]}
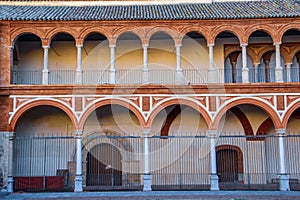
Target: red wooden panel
{"type": "Point", "coordinates": [25, 183]}
{"type": "Point", "coordinates": [54, 182]}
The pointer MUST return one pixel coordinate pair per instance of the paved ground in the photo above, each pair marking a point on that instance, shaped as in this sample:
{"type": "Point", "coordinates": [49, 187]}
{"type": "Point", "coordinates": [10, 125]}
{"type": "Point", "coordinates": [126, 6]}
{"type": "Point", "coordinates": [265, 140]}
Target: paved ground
{"type": "Point", "coordinates": [158, 195]}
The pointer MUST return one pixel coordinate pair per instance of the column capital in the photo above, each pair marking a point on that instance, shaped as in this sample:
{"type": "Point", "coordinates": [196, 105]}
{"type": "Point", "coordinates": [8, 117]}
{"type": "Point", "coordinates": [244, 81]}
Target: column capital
{"type": "Point", "coordinates": [146, 132]}
{"type": "Point", "coordinates": [12, 47]}
{"type": "Point", "coordinates": [10, 135]}
{"type": "Point", "coordinates": [288, 64]}
{"type": "Point", "coordinates": [46, 47]}
{"type": "Point", "coordinates": [210, 45]}
{"type": "Point", "coordinates": [244, 45]}
{"type": "Point", "coordinates": [277, 43]}
{"type": "Point", "coordinates": [256, 64]}
{"type": "Point", "coordinates": [112, 46]}
{"type": "Point", "coordinates": [78, 133]}
{"type": "Point", "coordinates": [145, 45]}
{"type": "Point", "coordinates": [212, 133]}
{"type": "Point", "coordinates": [79, 46]}
{"type": "Point", "coordinates": [280, 131]}
{"type": "Point", "coordinates": [178, 45]}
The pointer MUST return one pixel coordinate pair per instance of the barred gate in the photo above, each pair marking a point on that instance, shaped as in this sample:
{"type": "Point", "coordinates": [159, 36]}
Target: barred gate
{"type": "Point", "coordinates": [177, 162]}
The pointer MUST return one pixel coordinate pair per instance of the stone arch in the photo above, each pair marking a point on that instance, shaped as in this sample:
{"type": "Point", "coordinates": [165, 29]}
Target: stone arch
{"type": "Point", "coordinates": [196, 29]}
{"type": "Point", "coordinates": [43, 102]}
{"type": "Point", "coordinates": [226, 28]}
{"type": "Point", "coordinates": [164, 30]}
{"type": "Point", "coordinates": [175, 101]}
{"type": "Point", "coordinates": [136, 33]}
{"type": "Point", "coordinates": [51, 34]}
{"type": "Point", "coordinates": [103, 102]}
{"type": "Point", "coordinates": [265, 28]}
{"type": "Point", "coordinates": [88, 31]}
{"type": "Point", "coordinates": [251, 101]}
{"type": "Point", "coordinates": [16, 34]}
{"type": "Point", "coordinates": [287, 27]}
{"type": "Point", "coordinates": [289, 112]}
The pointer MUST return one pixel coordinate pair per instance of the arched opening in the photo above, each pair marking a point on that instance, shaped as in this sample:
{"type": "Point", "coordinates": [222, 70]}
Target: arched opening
{"type": "Point", "coordinates": [194, 49]}
{"type": "Point", "coordinates": [162, 59]}
{"type": "Point", "coordinates": [95, 59]}
{"type": "Point", "coordinates": [291, 55]}
{"type": "Point", "coordinates": [262, 51]}
{"type": "Point", "coordinates": [233, 64]}
{"type": "Point", "coordinates": [62, 59]}
{"type": "Point", "coordinates": [129, 59]}
{"type": "Point", "coordinates": [104, 166]}
{"type": "Point", "coordinates": [229, 163]}
{"type": "Point", "coordinates": [43, 149]}
{"type": "Point", "coordinates": [27, 64]}
{"type": "Point", "coordinates": [178, 138]}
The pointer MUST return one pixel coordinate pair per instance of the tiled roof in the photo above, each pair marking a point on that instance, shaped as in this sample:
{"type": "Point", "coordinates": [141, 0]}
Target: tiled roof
{"type": "Point", "coordinates": [216, 10]}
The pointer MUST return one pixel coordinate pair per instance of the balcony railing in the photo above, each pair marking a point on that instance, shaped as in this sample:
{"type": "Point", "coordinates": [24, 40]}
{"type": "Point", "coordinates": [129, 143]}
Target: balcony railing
{"type": "Point", "coordinates": [133, 76]}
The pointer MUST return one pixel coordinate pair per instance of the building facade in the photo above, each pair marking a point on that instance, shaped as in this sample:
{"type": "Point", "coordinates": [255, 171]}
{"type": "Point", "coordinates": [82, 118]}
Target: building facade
{"type": "Point", "coordinates": [149, 95]}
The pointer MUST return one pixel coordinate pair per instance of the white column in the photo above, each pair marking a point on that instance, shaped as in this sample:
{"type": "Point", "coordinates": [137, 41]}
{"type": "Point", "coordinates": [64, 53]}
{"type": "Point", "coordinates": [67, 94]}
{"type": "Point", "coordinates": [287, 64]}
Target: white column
{"type": "Point", "coordinates": [78, 177]}
{"type": "Point", "coordinates": [256, 72]}
{"type": "Point", "coordinates": [212, 76]}
{"type": "Point", "coordinates": [147, 176]}
{"type": "Point", "coordinates": [278, 68]}
{"type": "Point", "coordinates": [10, 179]}
{"type": "Point", "coordinates": [179, 73]}
{"type": "Point", "coordinates": [78, 79]}
{"type": "Point", "coordinates": [46, 67]}
{"type": "Point", "coordinates": [214, 179]}
{"type": "Point", "coordinates": [145, 68]}
{"type": "Point", "coordinates": [112, 64]}
{"type": "Point", "coordinates": [245, 69]}
{"type": "Point", "coordinates": [283, 177]}
{"type": "Point", "coordinates": [288, 72]}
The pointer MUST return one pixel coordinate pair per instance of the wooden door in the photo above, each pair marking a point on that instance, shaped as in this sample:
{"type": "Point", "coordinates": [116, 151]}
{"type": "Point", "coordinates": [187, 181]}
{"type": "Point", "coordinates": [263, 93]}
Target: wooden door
{"type": "Point", "coordinates": [227, 165]}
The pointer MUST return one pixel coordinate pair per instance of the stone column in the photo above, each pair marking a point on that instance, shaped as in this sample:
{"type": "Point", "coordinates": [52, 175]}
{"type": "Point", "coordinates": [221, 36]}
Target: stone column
{"type": "Point", "coordinates": [10, 179]}
{"type": "Point", "coordinates": [214, 179]}
{"type": "Point", "coordinates": [112, 64]}
{"type": "Point", "coordinates": [46, 67]}
{"type": "Point", "coordinates": [233, 65]}
{"type": "Point", "coordinates": [78, 79]}
{"type": "Point", "coordinates": [288, 72]}
{"type": "Point", "coordinates": [283, 177]}
{"type": "Point", "coordinates": [78, 177]}
{"type": "Point", "coordinates": [255, 79]}
{"type": "Point", "coordinates": [147, 176]}
{"type": "Point", "coordinates": [278, 68]}
{"type": "Point", "coordinates": [179, 73]}
{"type": "Point", "coordinates": [212, 78]}
{"type": "Point", "coordinates": [145, 67]}
{"type": "Point", "coordinates": [245, 69]}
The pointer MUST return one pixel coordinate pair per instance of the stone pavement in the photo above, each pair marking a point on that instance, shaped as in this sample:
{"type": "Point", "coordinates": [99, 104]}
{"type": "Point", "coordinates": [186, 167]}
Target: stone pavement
{"type": "Point", "coordinates": [158, 195]}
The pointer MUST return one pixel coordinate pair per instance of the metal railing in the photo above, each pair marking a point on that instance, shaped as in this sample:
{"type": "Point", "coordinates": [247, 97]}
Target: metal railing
{"type": "Point", "coordinates": [177, 162]}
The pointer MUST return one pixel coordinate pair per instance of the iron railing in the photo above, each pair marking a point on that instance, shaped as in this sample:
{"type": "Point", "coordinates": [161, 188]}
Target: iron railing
{"type": "Point", "coordinates": [179, 162]}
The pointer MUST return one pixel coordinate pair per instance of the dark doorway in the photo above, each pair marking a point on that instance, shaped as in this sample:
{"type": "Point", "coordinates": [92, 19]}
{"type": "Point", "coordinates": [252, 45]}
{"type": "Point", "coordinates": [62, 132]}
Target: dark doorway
{"type": "Point", "coordinates": [104, 166]}
{"type": "Point", "coordinates": [227, 165]}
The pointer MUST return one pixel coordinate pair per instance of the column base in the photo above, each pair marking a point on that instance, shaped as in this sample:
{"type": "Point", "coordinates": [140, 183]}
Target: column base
{"type": "Point", "coordinates": [278, 75]}
{"type": "Point", "coordinates": [45, 78]}
{"type": "Point", "coordinates": [180, 80]}
{"type": "Point", "coordinates": [284, 182]}
{"type": "Point", "coordinates": [245, 75]}
{"type": "Point", "coordinates": [212, 76]}
{"type": "Point", "coordinates": [10, 184]}
{"type": "Point", "coordinates": [78, 79]}
{"type": "Point", "coordinates": [78, 183]}
{"type": "Point", "coordinates": [147, 183]}
{"type": "Point", "coordinates": [214, 182]}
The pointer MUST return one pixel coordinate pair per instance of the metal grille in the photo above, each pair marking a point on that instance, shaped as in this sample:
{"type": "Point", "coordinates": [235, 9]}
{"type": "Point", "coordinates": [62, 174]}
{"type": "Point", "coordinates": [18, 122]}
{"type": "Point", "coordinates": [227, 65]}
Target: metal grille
{"type": "Point", "coordinates": [113, 162]}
